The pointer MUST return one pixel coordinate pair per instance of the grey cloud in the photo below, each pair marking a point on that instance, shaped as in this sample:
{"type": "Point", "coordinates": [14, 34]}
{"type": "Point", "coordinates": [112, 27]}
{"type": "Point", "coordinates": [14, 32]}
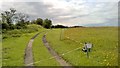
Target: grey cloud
{"type": "Point", "coordinates": [43, 10]}
{"type": "Point", "coordinates": [96, 11]}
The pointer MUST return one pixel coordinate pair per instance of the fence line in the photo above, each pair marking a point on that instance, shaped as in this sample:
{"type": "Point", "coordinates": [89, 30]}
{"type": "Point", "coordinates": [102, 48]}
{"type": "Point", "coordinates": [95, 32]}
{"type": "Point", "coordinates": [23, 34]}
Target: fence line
{"type": "Point", "coordinates": [54, 56]}
{"type": "Point", "coordinates": [61, 54]}
{"type": "Point", "coordinates": [73, 40]}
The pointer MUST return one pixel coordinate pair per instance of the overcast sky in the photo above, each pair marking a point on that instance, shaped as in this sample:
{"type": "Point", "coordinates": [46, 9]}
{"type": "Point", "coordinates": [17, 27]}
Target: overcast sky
{"type": "Point", "coordinates": [68, 12]}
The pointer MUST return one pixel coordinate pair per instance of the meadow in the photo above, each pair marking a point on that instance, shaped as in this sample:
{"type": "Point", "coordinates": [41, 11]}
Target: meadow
{"type": "Point", "coordinates": [14, 43]}
{"type": "Point", "coordinates": [13, 50]}
{"type": "Point", "coordinates": [68, 43]}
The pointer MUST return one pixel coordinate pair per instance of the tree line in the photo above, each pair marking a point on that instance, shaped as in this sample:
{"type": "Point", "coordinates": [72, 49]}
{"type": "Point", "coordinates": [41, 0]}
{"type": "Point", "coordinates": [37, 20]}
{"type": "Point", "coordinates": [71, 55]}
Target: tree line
{"type": "Point", "coordinates": [11, 19]}
{"type": "Point", "coordinates": [59, 26]}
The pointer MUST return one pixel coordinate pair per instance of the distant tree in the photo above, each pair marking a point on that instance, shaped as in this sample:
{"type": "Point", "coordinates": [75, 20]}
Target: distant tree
{"type": "Point", "coordinates": [21, 18]}
{"type": "Point", "coordinates": [20, 25]}
{"type": "Point", "coordinates": [39, 21]}
{"type": "Point", "coordinates": [27, 22]}
{"type": "Point", "coordinates": [47, 23]}
{"type": "Point", "coordinates": [33, 22]}
{"type": "Point", "coordinates": [12, 26]}
{"type": "Point", "coordinates": [59, 26]}
{"type": "Point", "coordinates": [8, 16]}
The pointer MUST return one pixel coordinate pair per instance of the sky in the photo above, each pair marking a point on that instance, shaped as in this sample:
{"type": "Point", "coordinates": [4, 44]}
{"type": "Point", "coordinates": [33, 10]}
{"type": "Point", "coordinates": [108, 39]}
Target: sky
{"type": "Point", "coordinates": [68, 12]}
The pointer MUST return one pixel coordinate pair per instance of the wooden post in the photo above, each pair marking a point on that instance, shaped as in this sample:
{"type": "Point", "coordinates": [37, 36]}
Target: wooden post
{"type": "Point", "coordinates": [61, 35]}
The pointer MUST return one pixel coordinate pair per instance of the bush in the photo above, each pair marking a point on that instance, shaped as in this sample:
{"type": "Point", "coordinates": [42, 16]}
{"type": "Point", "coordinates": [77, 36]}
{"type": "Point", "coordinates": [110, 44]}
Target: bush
{"type": "Point", "coordinates": [20, 25]}
{"type": "Point", "coordinates": [4, 30]}
{"type": "Point", "coordinates": [5, 26]}
{"type": "Point", "coordinates": [4, 36]}
{"type": "Point", "coordinates": [12, 26]}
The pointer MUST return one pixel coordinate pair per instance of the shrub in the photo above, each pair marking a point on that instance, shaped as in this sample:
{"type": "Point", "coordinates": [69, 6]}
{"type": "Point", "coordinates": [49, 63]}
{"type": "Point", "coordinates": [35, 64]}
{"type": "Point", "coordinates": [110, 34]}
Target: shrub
{"type": "Point", "coordinates": [5, 26]}
{"type": "Point", "coordinates": [4, 36]}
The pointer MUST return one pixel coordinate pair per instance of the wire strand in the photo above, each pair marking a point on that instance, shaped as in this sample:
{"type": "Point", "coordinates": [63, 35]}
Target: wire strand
{"type": "Point", "coordinates": [54, 56]}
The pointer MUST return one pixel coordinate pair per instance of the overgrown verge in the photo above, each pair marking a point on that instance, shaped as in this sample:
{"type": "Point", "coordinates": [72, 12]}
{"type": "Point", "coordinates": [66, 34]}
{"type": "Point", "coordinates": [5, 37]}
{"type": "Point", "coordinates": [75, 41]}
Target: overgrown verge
{"type": "Point", "coordinates": [19, 32]}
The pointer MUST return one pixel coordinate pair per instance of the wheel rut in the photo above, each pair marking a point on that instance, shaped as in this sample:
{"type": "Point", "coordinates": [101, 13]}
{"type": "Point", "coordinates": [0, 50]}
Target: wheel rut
{"type": "Point", "coordinates": [61, 61]}
{"type": "Point", "coordinates": [28, 57]}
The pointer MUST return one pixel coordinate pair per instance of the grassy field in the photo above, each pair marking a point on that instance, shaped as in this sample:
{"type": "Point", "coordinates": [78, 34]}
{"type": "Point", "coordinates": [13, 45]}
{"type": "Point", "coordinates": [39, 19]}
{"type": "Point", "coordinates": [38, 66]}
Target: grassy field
{"type": "Point", "coordinates": [13, 50]}
{"type": "Point", "coordinates": [104, 40]}
{"type": "Point", "coordinates": [41, 54]}
{"type": "Point", "coordinates": [14, 44]}
{"type": "Point", "coordinates": [67, 43]}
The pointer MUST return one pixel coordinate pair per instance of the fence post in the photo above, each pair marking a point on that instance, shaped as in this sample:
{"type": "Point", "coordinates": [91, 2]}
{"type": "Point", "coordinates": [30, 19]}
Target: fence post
{"type": "Point", "coordinates": [61, 35]}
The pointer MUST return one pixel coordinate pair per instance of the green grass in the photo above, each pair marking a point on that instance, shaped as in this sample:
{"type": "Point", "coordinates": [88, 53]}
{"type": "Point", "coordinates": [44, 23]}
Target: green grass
{"type": "Point", "coordinates": [13, 47]}
{"type": "Point", "coordinates": [41, 54]}
{"type": "Point", "coordinates": [13, 50]}
{"type": "Point", "coordinates": [104, 52]}
{"type": "Point", "coordinates": [18, 32]}
{"type": "Point", "coordinates": [104, 40]}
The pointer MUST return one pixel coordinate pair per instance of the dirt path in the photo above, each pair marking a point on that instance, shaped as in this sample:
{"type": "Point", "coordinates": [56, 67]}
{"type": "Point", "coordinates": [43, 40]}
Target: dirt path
{"type": "Point", "coordinates": [28, 57]}
{"type": "Point", "coordinates": [61, 61]}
